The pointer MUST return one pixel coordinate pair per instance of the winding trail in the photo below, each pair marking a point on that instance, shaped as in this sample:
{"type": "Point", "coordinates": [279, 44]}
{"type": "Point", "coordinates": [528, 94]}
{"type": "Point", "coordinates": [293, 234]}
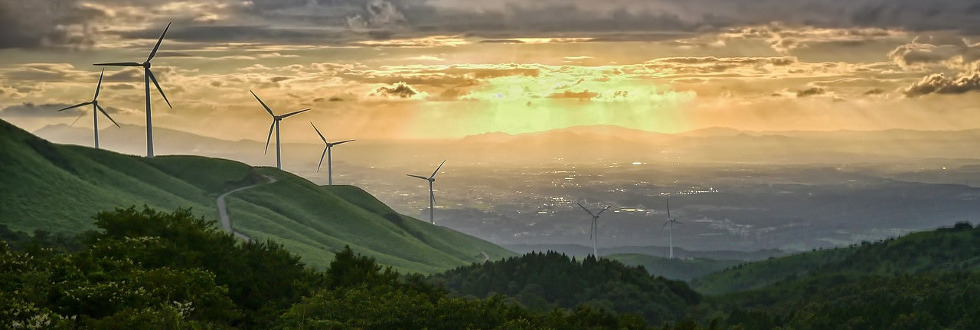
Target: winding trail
{"type": "Point", "coordinates": [223, 208]}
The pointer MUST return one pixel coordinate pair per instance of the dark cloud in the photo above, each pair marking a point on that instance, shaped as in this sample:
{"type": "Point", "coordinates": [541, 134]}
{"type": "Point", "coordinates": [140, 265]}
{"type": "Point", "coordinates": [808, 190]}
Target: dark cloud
{"type": "Point", "coordinates": [42, 110]}
{"type": "Point", "coordinates": [815, 90]}
{"type": "Point", "coordinates": [50, 23]}
{"type": "Point", "coordinates": [876, 91]}
{"type": "Point", "coordinates": [940, 84]}
{"type": "Point", "coordinates": [400, 90]}
{"type": "Point", "coordinates": [583, 95]}
{"type": "Point", "coordinates": [68, 22]}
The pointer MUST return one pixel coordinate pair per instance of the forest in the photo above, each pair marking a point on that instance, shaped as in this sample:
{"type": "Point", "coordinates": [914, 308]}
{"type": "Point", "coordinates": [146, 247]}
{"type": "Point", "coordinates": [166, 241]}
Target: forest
{"type": "Point", "coordinates": [159, 270]}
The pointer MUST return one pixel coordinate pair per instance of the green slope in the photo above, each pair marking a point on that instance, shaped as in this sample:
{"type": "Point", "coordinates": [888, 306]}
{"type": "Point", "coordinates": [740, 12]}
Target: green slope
{"type": "Point", "coordinates": [675, 269]}
{"type": "Point", "coordinates": [943, 250]}
{"type": "Point", "coordinates": [58, 188]}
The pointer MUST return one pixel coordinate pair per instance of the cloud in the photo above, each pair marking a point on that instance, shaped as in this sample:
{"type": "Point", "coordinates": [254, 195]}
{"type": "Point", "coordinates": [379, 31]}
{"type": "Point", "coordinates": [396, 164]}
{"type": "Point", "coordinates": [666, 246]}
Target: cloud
{"type": "Point", "coordinates": [399, 90]}
{"type": "Point", "coordinates": [954, 52]}
{"type": "Point", "coordinates": [76, 23]}
{"type": "Point", "coordinates": [940, 84]}
{"type": "Point", "coordinates": [583, 95]}
{"type": "Point", "coordinates": [815, 90]}
{"type": "Point", "coordinates": [784, 39]}
{"type": "Point", "coordinates": [31, 110]}
{"type": "Point", "coordinates": [53, 23]}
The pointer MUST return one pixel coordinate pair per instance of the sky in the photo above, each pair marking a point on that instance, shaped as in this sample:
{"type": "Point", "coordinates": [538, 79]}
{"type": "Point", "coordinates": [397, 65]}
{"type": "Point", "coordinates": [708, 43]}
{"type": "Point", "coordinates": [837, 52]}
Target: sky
{"type": "Point", "coordinates": [446, 69]}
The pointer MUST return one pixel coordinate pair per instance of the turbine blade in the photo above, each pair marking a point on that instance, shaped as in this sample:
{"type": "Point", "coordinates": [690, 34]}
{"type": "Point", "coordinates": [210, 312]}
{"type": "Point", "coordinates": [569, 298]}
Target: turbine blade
{"type": "Point", "coordinates": [437, 169]}
{"type": "Point", "coordinates": [263, 104]}
{"type": "Point", "coordinates": [321, 135]}
{"type": "Point", "coordinates": [603, 210]}
{"type": "Point", "coordinates": [342, 142]}
{"type": "Point", "coordinates": [154, 52]}
{"type": "Point", "coordinates": [107, 115]}
{"type": "Point", "coordinates": [154, 79]}
{"type": "Point", "coordinates": [75, 106]}
{"type": "Point", "coordinates": [586, 210]}
{"type": "Point", "coordinates": [418, 176]}
{"type": "Point", "coordinates": [76, 119]}
{"type": "Point", "coordinates": [119, 64]}
{"type": "Point", "coordinates": [294, 113]}
{"type": "Point", "coordinates": [99, 86]}
{"type": "Point", "coordinates": [432, 196]}
{"type": "Point", "coordinates": [665, 224]}
{"type": "Point", "coordinates": [321, 160]}
{"type": "Point", "coordinates": [270, 136]}
{"type": "Point", "coordinates": [668, 208]}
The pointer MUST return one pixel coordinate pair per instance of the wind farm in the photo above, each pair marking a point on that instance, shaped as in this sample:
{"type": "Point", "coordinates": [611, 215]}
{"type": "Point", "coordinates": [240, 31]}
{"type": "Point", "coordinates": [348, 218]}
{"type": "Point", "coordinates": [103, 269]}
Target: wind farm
{"type": "Point", "coordinates": [815, 161]}
{"type": "Point", "coordinates": [147, 77]}
{"type": "Point", "coordinates": [432, 196]}
{"type": "Point", "coordinates": [669, 225]}
{"type": "Point", "coordinates": [327, 151]}
{"type": "Point", "coordinates": [593, 234]}
{"type": "Point", "coordinates": [275, 126]}
{"type": "Point", "coordinates": [96, 109]}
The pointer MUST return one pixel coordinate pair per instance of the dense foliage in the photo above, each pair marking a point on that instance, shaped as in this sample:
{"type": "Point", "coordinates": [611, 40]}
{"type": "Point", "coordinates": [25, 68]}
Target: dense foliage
{"type": "Point", "coordinates": [150, 269]}
{"type": "Point", "coordinates": [544, 281]}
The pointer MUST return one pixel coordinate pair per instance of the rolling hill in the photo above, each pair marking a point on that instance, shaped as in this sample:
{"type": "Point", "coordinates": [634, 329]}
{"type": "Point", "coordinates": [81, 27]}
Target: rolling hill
{"type": "Point", "coordinates": [954, 249]}
{"type": "Point", "coordinates": [58, 188]}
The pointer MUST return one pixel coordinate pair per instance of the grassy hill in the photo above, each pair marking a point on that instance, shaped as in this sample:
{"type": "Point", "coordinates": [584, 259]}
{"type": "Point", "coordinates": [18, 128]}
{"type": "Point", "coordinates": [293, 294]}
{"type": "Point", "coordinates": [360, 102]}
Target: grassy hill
{"type": "Point", "coordinates": [942, 250]}
{"type": "Point", "coordinates": [58, 188]}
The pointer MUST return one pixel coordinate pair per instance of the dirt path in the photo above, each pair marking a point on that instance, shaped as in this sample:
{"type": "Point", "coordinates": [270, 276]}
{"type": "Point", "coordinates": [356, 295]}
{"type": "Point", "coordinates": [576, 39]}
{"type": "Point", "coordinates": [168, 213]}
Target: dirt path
{"type": "Point", "coordinates": [223, 208]}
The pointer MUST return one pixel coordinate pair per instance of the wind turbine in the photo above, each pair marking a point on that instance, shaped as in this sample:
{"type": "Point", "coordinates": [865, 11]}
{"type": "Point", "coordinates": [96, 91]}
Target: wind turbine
{"type": "Point", "coordinates": [432, 196]}
{"type": "Point", "coordinates": [147, 76]}
{"type": "Point", "coordinates": [669, 225]}
{"type": "Point", "coordinates": [327, 152]}
{"type": "Point", "coordinates": [96, 108]}
{"type": "Point", "coordinates": [275, 124]}
{"type": "Point", "coordinates": [592, 233]}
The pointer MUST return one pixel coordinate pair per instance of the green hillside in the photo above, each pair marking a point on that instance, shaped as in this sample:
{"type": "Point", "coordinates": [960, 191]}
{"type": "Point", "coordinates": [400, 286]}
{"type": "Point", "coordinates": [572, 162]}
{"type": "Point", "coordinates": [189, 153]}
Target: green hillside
{"type": "Point", "coordinates": [942, 250]}
{"type": "Point", "coordinates": [543, 281]}
{"type": "Point", "coordinates": [675, 269]}
{"type": "Point", "coordinates": [58, 188]}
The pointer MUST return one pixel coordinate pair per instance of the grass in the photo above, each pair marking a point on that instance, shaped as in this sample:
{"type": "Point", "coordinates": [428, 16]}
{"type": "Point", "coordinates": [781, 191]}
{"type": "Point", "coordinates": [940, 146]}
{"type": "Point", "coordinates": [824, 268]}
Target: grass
{"type": "Point", "coordinates": [59, 188]}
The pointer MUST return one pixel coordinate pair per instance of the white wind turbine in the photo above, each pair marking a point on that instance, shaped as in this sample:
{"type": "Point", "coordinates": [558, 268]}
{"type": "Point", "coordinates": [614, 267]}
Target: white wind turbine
{"type": "Point", "coordinates": [593, 235]}
{"type": "Point", "coordinates": [669, 225]}
{"type": "Point", "coordinates": [327, 151]}
{"type": "Point", "coordinates": [275, 125]}
{"type": "Point", "coordinates": [96, 108]}
{"type": "Point", "coordinates": [432, 196]}
{"type": "Point", "coordinates": [147, 77]}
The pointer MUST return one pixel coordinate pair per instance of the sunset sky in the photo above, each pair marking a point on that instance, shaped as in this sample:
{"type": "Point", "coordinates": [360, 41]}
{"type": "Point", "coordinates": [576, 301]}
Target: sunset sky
{"type": "Point", "coordinates": [419, 69]}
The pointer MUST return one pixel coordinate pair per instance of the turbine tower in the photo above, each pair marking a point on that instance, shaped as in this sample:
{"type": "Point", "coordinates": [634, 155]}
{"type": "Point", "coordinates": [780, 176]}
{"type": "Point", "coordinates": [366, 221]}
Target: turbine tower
{"type": "Point", "coordinates": [96, 108]}
{"type": "Point", "coordinates": [147, 77]}
{"type": "Point", "coordinates": [669, 225]}
{"type": "Point", "coordinates": [327, 151]}
{"type": "Point", "coordinates": [432, 196]}
{"type": "Point", "coordinates": [592, 232]}
{"type": "Point", "coordinates": [275, 125]}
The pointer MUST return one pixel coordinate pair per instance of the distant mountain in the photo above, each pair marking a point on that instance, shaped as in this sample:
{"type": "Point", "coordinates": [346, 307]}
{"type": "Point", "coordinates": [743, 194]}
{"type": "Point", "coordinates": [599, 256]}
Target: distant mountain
{"type": "Point", "coordinates": [57, 188]}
